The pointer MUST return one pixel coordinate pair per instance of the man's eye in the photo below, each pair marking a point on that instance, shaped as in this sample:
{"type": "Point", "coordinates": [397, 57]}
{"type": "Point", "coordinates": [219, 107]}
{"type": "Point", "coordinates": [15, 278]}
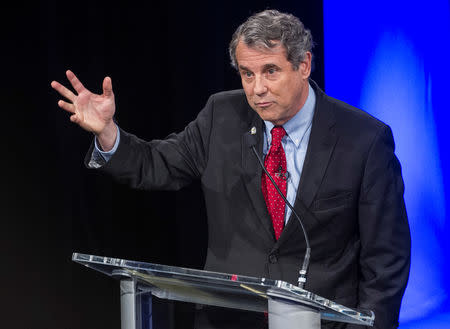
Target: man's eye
{"type": "Point", "coordinates": [248, 74]}
{"type": "Point", "coordinates": [271, 71]}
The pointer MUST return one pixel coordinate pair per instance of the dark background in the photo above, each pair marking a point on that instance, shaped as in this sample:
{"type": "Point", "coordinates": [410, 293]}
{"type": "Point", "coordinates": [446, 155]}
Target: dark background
{"type": "Point", "coordinates": [165, 59]}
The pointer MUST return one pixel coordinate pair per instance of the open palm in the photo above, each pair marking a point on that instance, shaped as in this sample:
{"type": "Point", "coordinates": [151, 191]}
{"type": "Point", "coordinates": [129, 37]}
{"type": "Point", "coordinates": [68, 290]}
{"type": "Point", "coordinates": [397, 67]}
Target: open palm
{"type": "Point", "coordinates": [90, 111]}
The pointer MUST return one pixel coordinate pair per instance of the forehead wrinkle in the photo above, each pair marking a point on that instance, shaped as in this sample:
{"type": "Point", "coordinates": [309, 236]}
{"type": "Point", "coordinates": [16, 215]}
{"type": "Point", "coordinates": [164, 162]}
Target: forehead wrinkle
{"type": "Point", "coordinates": [258, 59]}
{"type": "Point", "coordinates": [262, 51]}
{"type": "Point", "coordinates": [262, 67]}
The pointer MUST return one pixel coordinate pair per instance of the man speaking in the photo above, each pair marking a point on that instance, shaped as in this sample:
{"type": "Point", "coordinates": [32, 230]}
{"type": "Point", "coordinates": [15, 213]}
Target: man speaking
{"type": "Point", "coordinates": [334, 163]}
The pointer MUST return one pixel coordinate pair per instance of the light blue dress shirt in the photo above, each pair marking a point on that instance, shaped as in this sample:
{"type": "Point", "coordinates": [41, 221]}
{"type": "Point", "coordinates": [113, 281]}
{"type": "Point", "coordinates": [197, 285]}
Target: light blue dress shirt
{"type": "Point", "coordinates": [99, 157]}
{"type": "Point", "coordinates": [295, 144]}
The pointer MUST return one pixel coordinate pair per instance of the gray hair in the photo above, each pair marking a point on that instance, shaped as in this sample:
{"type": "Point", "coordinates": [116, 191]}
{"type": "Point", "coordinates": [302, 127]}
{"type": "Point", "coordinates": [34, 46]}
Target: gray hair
{"type": "Point", "coordinates": [270, 27]}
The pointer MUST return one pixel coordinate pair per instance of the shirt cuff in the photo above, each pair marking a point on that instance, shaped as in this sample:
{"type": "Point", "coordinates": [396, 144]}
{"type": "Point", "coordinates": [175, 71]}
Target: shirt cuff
{"type": "Point", "coordinates": [99, 157]}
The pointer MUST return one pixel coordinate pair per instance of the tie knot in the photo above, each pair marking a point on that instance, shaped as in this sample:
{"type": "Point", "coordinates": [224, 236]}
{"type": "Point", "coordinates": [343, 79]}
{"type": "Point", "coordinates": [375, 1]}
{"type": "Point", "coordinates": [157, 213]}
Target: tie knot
{"type": "Point", "coordinates": [278, 133]}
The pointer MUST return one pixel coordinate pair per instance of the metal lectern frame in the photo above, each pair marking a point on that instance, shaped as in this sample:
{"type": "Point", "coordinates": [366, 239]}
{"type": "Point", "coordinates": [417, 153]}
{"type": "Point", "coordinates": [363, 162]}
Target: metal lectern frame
{"type": "Point", "coordinates": [288, 306]}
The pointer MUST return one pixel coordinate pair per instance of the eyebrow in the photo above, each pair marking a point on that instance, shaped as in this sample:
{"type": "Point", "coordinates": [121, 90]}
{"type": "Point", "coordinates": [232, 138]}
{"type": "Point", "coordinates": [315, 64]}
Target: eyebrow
{"type": "Point", "coordinates": [241, 67]}
{"type": "Point", "coordinates": [265, 67]}
{"type": "Point", "coordinates": [270, 65]}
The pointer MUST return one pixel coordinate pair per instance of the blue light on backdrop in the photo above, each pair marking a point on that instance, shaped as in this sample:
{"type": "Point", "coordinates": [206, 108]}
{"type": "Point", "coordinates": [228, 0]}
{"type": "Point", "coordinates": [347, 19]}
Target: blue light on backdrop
{"type": "Point", "coordinates": [391, 58]}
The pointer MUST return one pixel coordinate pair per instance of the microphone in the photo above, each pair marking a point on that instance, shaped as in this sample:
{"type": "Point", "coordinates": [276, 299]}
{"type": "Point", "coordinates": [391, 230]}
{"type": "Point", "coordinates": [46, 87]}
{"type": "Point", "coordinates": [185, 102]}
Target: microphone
{"type": "Point", "coordinates": [250, 140]}
{"type": "Point", "coordinates": [282, 175]}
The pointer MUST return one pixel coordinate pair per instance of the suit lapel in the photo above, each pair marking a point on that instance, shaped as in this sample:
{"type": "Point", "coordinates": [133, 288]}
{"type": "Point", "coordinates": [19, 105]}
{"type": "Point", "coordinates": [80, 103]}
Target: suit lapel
{"type": "Point", "coordinates": [253, 172]}
{"type": "Point", "coordinates": [321, 145]}
{"type": "Point", "coordinates": [322, 142]}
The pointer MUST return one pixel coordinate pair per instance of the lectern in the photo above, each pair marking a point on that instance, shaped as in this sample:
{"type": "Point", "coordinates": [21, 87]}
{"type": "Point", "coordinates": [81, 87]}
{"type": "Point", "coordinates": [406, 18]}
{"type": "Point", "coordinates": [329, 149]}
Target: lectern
{"type": "Point", "coordinates": [288, 306]}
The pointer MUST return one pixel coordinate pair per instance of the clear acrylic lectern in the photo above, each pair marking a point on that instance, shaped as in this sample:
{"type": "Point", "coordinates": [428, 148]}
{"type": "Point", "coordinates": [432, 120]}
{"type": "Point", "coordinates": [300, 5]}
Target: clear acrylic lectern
{"type": "Point", "coordinates": [288, 306]}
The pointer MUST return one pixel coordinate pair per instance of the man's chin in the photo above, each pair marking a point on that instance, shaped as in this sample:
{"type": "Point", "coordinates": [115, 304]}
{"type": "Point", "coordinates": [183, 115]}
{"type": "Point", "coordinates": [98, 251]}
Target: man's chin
{"type": "Point", "coordinates": [275, 120]}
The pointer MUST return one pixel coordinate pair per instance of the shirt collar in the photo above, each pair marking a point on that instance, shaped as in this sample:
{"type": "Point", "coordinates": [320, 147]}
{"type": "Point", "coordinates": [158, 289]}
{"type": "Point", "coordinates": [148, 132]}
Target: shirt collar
{"type": "Point", "coordinates": [297, 126]}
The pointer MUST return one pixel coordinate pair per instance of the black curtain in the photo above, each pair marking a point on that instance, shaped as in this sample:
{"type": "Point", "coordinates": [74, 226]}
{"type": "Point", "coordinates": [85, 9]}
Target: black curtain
{"type": "Point", "coordinates": [164, 59]}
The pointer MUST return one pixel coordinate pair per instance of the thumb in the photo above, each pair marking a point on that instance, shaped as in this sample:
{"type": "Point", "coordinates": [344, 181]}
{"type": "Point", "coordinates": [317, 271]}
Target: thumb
{"type": "Point", "coordinates": [74, 118]}
{"type": "Point", "coordinates": [107, 87]}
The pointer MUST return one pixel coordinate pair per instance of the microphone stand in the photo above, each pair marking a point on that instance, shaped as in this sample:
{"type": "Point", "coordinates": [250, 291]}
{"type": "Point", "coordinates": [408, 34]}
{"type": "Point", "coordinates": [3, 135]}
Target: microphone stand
{"type": "Point", "coordinates": [303, 271]}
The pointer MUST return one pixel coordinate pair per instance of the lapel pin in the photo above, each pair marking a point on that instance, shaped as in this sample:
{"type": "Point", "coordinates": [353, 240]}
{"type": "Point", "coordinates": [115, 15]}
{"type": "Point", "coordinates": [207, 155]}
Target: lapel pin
{"type": "Point", "coordinates": [253, 131]}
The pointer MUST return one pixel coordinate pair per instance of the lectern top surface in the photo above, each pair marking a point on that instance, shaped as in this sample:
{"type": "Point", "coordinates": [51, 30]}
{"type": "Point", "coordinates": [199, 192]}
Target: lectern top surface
{"type": "Point", "coordinates": [218, 289]}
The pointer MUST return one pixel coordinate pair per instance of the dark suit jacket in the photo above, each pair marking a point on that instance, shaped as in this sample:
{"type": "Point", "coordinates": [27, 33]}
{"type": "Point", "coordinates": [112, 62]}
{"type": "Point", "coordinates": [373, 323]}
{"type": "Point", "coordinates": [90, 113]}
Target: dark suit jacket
{"type": "Point", "coordinates": [351, 188]}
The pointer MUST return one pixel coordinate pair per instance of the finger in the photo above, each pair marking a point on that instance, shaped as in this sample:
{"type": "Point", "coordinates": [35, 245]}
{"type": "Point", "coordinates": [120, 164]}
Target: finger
{"type": "Point", "coordinates": [74, 118]}
{"type": "Point", "coordinates": [76, 84]}
{"type": "Point", "coordinates": [66, 106]}
{"type": "Point", "coordinates": [63, 91]}
{"type": "Point", "coordinates": [107, 87]}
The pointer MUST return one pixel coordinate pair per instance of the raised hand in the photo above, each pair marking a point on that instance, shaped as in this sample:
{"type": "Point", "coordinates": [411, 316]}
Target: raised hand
{"type": "Point", "coordinates": [90, 111]}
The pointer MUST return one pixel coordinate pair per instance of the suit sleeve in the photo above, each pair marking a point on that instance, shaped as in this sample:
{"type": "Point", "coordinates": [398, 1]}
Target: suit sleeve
{"type": "Point", "coordinates": [167, 164]}
{"type": "Point", "coordinates": [384, 233]}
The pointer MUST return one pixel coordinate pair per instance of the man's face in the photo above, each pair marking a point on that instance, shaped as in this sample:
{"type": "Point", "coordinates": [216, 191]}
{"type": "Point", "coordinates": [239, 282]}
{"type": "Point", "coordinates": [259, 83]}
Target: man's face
{"type": "Point", "coordinates": [273, 88]}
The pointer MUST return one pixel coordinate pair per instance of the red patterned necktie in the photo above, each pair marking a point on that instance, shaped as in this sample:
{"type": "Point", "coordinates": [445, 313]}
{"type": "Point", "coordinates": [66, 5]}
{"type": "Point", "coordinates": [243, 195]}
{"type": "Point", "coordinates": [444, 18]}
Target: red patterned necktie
{"type": "Point", "coordinates": [275, 164]}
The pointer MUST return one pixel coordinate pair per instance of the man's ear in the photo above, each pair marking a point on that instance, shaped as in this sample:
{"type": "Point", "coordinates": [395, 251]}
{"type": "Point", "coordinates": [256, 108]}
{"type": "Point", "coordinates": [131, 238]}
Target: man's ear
{"type": "Point", "coordinates": [305, 65]}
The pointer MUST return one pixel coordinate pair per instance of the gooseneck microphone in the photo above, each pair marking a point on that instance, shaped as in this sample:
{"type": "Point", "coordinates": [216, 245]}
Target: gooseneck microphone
{"type": "Point", "coordinates": [251, 142]}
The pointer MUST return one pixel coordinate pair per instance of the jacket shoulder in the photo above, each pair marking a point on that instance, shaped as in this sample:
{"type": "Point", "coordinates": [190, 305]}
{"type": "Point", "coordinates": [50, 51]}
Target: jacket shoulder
{"type": "Point", "coordinates": [230, 97]}
{"type": "Point", "coordinates": [232, 104]}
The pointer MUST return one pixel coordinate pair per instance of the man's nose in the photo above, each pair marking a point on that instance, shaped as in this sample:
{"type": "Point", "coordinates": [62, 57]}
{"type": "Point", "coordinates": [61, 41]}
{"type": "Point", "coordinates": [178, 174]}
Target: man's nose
{"type": "Point", "coordinates": [260, 87]}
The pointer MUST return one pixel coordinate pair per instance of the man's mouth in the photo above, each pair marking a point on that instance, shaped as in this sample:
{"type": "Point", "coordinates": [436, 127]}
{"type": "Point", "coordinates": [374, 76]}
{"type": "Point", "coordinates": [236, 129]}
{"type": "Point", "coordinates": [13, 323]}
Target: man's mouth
{"type": "Point", "coordinates": [263, 104]}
